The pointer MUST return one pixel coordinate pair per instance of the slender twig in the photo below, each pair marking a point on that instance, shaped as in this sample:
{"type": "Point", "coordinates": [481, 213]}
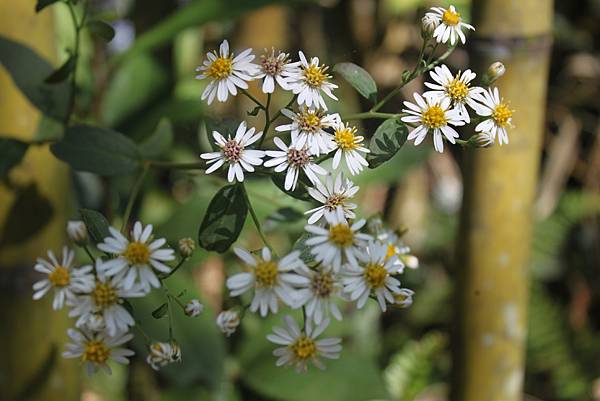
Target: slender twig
{"type": "Point", "coordinates": [169, 274]}
{"type": "Point", "coordinates": [276, 116]}
{"type": "Point", "coordinates": [267, 121]}
{"type": "Point", "coordinates": [370, 114]}
{"type": "Point", "coordinates": [85, 248]}
{"type": "Point", "coordinates": [134, 192]}
{"type": "Point", "coordinates": [78, 26]}
{"type": "Point", "coordinates": [255, 219]}
{"type": "Point", "coordinates": [255, 100]}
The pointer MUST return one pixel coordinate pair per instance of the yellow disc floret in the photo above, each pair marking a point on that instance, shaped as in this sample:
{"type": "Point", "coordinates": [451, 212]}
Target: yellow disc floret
{"type": "Point", "coordinates": [345, 138]}
{"type": "Point", "coordinates": [315, 75]}
{"type": "Point", "coordinates": [60, 276]}
{"type": "Point", "coordinates": [457, 90]}
{"type": "Point", "coordinates": [95, 351]}
{"type": "Point", "coordinates": [322, 284]}
{"type": "Point", "coordinates": [220, 68]}
{"type": "Point", "coordinates": [304, 347]}
{"type": "Point", "coordinates": [266, 273]}
{"type": "Point", "coordinates": [375, 275]}
{"type": "Point", "coordinates": [502, 115]}
{"type": "Point", "coordinates": [104, 295]}
{"type": "Point", "coordinates": [434, 117]}
{"type": "Point", "coordinates": [309, 121]}
{"type": "Point", "coordinates": [137, 253]}
{"type": "Point", "coordinates": [391, 251]}
{"type": "Point", "coordinates": [451, 17]}
{"type": "Point", "coordinates": [341, 235]}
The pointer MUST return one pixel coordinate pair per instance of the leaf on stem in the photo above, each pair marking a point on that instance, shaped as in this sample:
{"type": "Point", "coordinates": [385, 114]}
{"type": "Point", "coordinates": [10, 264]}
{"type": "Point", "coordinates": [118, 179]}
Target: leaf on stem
{"type": "Point", "coordinates": [41, 4]}
{"type": "Point", "coordinates": [359, 78]}
{"type": "Point", "coordinates": [101, 29]}
{"type": "Point", "coordinates": [63, 72]}
{"type": "Point", "coordinates": [96, 224]}
{"type": "Point", "coordinates": [159, 141]}
{"type": "Point", "coordinates": [254, 111]}
{"type": "Point", "coordinates": [389, 137]}
{"type": "Point", "coordinates": [224, 219]}
{"type": "Point", "coordinates": [160, 311]}
{"type": "Point", "coordinates": [12, 151]}
{"type": "Point", "coordinates": [97, 150]}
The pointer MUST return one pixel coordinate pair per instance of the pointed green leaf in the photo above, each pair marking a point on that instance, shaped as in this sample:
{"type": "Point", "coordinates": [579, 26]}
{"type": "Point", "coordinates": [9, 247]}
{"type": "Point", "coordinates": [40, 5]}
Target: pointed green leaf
{"type": "Point", "coordinates": [101, 29]}
{"type": "Point", "coordinates": [41, 4]}
{"type": "Point", "coordinates": [359, 78]}
{"type": "Point", "coordinates": [63, 72]}
{"type": "Point", "coordinates": [160, 311]}
{"type": "Point", "coordinates": [224, 219]}
{"type": "Point", "coordinates": [96, 224]}
{"type": "Point", "coordinates": [159, 141]}
{"type": "Point", "coordinates": [11, 153]}
{"type": "Point", "coordinates": [387, 141]}
{"type": "Point", "coordinates": [97, 150]}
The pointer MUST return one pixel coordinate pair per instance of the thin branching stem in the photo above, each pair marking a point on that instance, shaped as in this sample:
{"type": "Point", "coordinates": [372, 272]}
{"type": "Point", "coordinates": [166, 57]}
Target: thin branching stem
{"type": "Point", "coordinates": [256, 221]}
{"type": "Point", "coordinates": [134, 192]}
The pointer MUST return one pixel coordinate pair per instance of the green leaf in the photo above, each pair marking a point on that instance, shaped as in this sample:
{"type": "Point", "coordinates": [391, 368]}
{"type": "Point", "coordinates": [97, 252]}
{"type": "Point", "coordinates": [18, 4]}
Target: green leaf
{"type": "Point", "coordinates": [300, 192]}
{"type": "Point", "coordinates": [305, 254]}
{"type": "Point", "coordinates": [11, 153]}
{"type": "Point", "coordinates": [29, 213]}
{"type": "Point", "coordinates": [224, 219]}
{"type": "Point", "coordinates": [136, 83]}
{"type": "Point", "coordinates": [63, 72]}
{"type": "Point", "coordinates": [160, 311]}
{"type": "Point", "coordinates": [28, 71]}
{"type": "Point", "coordinates": [101, 29]}
{"type": "Point", "coordinates": [96, 224]}
{"type": "Point", "coordinates": [386, 142]}
{"type": "Point", "coordinates": [254, 111]}
{"type": "Point", "coordinates": [159, 141]}
{"type": "Point", "coordinates": [41, 4]}
{"type": "Point", "coordinates": [97, 150]}
{"type": "Point", "coordinates": [359, 78]}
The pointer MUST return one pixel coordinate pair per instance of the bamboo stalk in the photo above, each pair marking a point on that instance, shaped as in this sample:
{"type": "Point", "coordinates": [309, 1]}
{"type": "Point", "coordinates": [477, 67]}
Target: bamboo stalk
{"type": "Point", "coordinates": [31, 335]}
{"type": "Point", "coordinates": [495, 230]}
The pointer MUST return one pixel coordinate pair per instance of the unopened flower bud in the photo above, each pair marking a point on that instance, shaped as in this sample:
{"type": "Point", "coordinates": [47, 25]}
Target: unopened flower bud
{"type": "Point", "coordinates": [193, 308]}
{"type": "Point", "coordinates": [228, 322]}
{"type": "Point", "coordinates": [404, 298]}
{"type": "Point", "coordinates": [162, 354]}
{"type": "Point", "coordinates": [481, 140]}
{"type": "Point", "coordinates": [428, 25]}
{"type": "Point", "coordinates": [186, 247]}
{"type": "Point", "coordinates": [494, 71]}
{"type": "Point", "coordinates": [77, 232]}
{"type": "Point", "coordinates": [410, 261]}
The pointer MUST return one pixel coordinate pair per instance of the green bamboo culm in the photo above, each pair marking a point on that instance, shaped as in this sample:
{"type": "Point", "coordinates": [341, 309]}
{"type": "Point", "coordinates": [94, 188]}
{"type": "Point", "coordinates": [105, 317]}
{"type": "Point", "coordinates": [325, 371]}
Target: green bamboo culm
{"type": "Point", "coordinates": [32, 337]}
{"type": "Point", "coordinates": [495, 230]}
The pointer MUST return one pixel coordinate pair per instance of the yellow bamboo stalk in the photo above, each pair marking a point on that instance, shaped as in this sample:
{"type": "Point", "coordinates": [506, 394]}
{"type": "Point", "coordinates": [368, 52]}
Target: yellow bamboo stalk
{"type": "Point", "coordinates": [31, 335]}
{"type": "Point", "coordinates": [495, 230]}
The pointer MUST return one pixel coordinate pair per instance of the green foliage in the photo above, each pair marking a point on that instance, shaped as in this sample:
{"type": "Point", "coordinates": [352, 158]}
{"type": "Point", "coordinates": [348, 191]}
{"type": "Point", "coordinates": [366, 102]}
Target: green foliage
{"type": "Point", "coordinates": [63, 72]}
{"type": "Point", "coordinates": [29, 71]}
{"type": "Point", "coordinates": [224, 219]}
{"type": "Point", "coordinates": [161, 311]}
{"type": "Point", "coordinates": [389, 137]}
{"type": "Point", "coordinates": [159, 141]}
{"type": "Point", "coordinates": [410, 370]}
{"type": "Point", "coordinates": [12, 151]}
{"type": "Point", "coordinates": [96, 224]}
{"type": "Point", "coordinates": [300, 192]}
{"type": "Point", "coordinates": [97, 150]}
{"type": "Point", "coordinates": [101, 29]}
{"type": "Point", "coordinates": [359, 78]}
{"type": "Point", "coordinates": [41, 4]}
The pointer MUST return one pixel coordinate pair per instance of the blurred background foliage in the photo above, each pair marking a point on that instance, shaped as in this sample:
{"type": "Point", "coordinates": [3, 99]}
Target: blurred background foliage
{"type": "Point", "coordinates": [146, 74]}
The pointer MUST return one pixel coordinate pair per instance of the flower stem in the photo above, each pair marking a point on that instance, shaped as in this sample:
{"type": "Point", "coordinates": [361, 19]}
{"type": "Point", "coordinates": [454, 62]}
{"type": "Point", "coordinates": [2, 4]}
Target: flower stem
{"type": "Point", "coordinates": [256, 221]}
{"type": "Point", "coordinates": [78, 26]}
{"type": "Point", "coordinates": [134, 192]}
{"type": "Point", "coordinates": [276, 116]}
{"type": "Point", "coordinates": [255, 100]}
{"type": "Point", "coordinates": [370, 114]}
{"type": "Point", "coordinates": [87, 250]}
{"type": "Point", "coordinates": [267, 121]}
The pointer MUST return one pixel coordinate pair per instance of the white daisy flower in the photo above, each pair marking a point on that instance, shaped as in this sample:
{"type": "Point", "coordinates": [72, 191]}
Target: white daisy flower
{"type": "Point", "coordinates": [162, 354]}
{"type": "Point", "coordinates": [193, 308]}
{"type": "Point", "coordinates": [293, 160]}
{"type": "Point", "coordinates": [105, 298]}
{"type": "Point", "coordinates": [271, 280]}
{"type": "Point", "coordinates": [227, 73]}
{"type": "Point", "coordinates": [320, 293]}
{"type": "Point", "coordinates": [136, 260]}
{"type": "Point", "coordinates": [276, 68]}
{"type": "Point", "coordinates": [77, 232]}
{"type": "Point", "coordinates": [403, 298]}
{"type": "Point", "coordinates": [234, 153]}
{"type": "Point", "coordinates": [95, 349]}
{"type": "Point", "coordinates": [228, 322]}
{"type": "Point", "coordinates": [334, 195]}
{"type": "Point", "coordinates": [373, 276]}
{"type": "Point", "coordinates": [308, 129]}
{"type": "Point", "coordinates": [66, 280]}
{"type": "Point", "coordinates": [457, 88]}
{"type": "Point", "coordinates": [301, 347]}
{"type": "Point", "coordinates": [337, 244]}
{"type": "Point", "coordinates": [349, 145]}
{"type": "Point", "coordinates": [498, 113]}
{"type": "Point", "coordinates": [432, 115]}
{"type": "Point", "coordinates": [395, 247]}
{"type": "Point", "coordinates": [450, 25]}
{"type": "Point", "coordinates": [310, 80]}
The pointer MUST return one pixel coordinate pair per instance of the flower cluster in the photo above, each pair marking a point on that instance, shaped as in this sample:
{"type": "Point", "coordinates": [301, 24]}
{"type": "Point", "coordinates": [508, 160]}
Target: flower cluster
{"type": "Point", "coordinates": [96, 294]}
{"type": "Point", "coordinates": [313, 132]}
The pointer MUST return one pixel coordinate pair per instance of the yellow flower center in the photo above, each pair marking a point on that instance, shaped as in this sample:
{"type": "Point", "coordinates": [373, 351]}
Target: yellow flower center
{"type": "Point", "coordinates": [309, 121]}
{"type": "Point", "coordinates": [95, 351]}
{"type": "Point", "coordinates": [457, 90]}
{"type": "Point", "coordinates": [315, 75]}
{"type": "Point", "coordinates": [391, 251]}
{"type": "Point", "coordinates": [341, 235]}
{"type": "Point", "coordinates": [322, 284]}
{"type": "Point", "coordinates": [104, 295]}
{"type": "Point", "coordinates": [334, 201]}
{"type": "Point", "coordinates": [400, 297]}
{"type": "Point", "coordinates": [375, 275]}
{"type": "Point", "coordinates": [60, 276]}
{"type": "Point", "coordinates": [434, 117]}
{"type": "Point", "coordinates": [304, 347]}
{"type": "Point", "coordinates": [451, 17]}
{"type": "Point", "coordinates": [266, 274]}
{"type": "Point", "coordinates": [346, 139]}
{"type": "Point", "coordinates": [137, 253]}
{"type": "Point", "coordinates": [502, 115]}
{"type": "Point", "coordinates": [220, 68]}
